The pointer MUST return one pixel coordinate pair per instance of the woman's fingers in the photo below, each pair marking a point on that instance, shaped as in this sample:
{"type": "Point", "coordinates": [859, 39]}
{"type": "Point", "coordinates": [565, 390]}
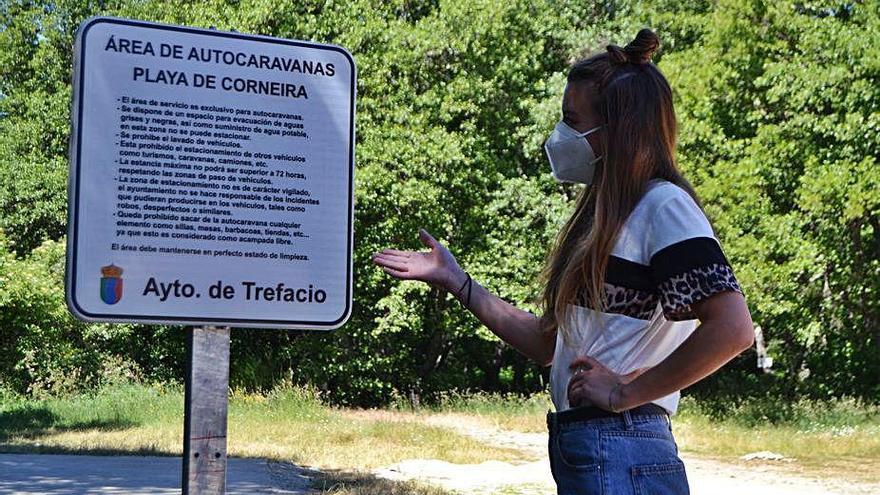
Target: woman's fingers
{"type": "Point", "coordinates": [577, 387]}
{"type": "Point", "coordinates": [397, 263]}
{"type": "Point", "coordinates": [586, 362]}
{"type": "Point", "coordinates": [408, 265]}
{"type": "Point", "coordinates": [396, 273]}
{"type": "Point", "coordinates": [580, 362]}
{"type": "Point", "coordinates": [396, 252]}
{"type": "Point", "coordinates": [576, 396]}
{"type": "Point", "coordinates": [576, 381]}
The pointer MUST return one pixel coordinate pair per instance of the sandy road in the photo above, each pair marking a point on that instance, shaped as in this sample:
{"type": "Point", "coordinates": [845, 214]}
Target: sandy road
{"type": "Point", "coordinates": [706, 477]}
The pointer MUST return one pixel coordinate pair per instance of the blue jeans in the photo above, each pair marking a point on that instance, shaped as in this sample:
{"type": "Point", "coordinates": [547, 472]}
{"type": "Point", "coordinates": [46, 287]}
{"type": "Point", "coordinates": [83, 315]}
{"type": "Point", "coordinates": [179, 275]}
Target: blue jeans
{"type": "Point", "coordinates": [623, 455]}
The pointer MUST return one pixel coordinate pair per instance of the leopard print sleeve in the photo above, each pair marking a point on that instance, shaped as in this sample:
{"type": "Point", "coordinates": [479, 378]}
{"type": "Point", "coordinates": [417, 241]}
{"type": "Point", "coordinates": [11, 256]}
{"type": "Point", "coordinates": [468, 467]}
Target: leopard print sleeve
{"type": "Point", "coordinates": [690, 271]}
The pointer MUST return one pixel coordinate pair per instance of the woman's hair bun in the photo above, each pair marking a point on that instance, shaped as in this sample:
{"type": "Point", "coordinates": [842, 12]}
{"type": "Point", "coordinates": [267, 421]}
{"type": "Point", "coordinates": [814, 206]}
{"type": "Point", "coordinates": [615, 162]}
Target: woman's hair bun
{"type": "Point", "coordinates": [637, 51]}
{"type": "Point", "coordinates": [617, 55]}
{"type": "Point", "coordinates": [641, 49]}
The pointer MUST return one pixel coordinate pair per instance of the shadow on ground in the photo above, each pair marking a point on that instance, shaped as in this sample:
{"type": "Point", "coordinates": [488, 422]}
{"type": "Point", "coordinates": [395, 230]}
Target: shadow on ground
{"type": "Point", "coordinates": [96, 470]}
{"type": "Point", "coordinates": [336, 482]}
{"type": "Point", "coordinates": [32, 422]}
{"type": "Point", "coordinates": [27, 474]}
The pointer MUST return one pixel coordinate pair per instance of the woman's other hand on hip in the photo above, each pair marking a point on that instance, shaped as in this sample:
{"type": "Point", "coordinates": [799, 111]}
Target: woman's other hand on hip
{"type": "Point", "coordinates": [593, 384]}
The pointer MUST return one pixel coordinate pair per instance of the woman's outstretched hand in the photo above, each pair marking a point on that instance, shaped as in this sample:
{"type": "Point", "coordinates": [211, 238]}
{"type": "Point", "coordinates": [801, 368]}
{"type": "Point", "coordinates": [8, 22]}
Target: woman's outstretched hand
{"type": "Point", "coordinates": [436, 267]}
{"type": "Point", "coordinates": [593, 384]}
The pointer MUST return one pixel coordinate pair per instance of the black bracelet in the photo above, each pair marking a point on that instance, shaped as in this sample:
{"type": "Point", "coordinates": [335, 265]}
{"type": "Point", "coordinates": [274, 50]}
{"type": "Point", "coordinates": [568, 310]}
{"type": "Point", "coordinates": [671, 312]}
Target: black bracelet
{"type": "Point", "coordinates": [470, 283]}
{"type": "Point", "coordinates": [462, 285]}
{"type": "Point", "coordinates": [458, 293]}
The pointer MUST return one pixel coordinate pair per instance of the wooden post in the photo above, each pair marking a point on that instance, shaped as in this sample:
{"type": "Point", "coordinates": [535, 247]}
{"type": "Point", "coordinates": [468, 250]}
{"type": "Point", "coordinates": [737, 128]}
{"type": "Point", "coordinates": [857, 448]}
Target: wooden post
{"type": "Point", "coordinates": [204, 429]}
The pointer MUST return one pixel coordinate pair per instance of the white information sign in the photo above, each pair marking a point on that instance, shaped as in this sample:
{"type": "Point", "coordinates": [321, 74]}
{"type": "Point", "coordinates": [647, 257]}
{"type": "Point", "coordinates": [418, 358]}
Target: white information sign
{"type": "Point", "coordinates": [211, 178]}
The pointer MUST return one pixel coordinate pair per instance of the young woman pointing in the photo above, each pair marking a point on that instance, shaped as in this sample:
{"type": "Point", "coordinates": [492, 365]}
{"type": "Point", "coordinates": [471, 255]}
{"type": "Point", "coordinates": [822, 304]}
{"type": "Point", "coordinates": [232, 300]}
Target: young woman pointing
{"type": "Point", "coordinates": [633, 269]}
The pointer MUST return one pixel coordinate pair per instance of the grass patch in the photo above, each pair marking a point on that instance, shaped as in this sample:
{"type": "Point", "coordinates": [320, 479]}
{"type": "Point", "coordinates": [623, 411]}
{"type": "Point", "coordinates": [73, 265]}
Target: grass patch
{"type": "Point", "coordinates": [123, 419]}
{"type": "Point", "coordinates": [291, 424]}
{"type": "Point", "coordinates": [838, 438]}
{"type": "Point", "coordinates": [505, 411]}
{"type": "Point", "coordinates": [288, 424]}
{"type": "Point", "coordinates": [829, 438]}
{"type": "Point", "coordinates": [833, 438]}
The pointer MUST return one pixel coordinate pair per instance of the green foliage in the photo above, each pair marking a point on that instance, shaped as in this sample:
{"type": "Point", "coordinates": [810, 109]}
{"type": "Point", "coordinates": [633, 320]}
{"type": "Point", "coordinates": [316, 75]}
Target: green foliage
{"type": "Point", "coordinates": [489, 404]}
{"type": "Point", "coordinates": [781, 138]}
{"type": "Point", "coordinates": [115, 406]}
{"type": "Point", "coordinates": [807, 415]}
{"type": "Point", "coordinates": [779, 132]}
{"type": "Point", "coordinates": [43, 347]}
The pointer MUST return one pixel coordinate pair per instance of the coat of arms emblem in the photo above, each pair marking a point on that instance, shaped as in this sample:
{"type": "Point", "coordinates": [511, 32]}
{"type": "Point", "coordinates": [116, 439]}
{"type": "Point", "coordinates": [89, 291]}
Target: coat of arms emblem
{"type": "Point", "coordinates": [111, 284]}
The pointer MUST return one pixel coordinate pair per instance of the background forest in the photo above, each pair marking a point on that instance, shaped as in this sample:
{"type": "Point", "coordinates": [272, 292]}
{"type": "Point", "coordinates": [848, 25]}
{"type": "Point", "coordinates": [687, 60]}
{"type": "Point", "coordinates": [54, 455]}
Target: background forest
{"type": "Point", "coordinates": [779, 112]}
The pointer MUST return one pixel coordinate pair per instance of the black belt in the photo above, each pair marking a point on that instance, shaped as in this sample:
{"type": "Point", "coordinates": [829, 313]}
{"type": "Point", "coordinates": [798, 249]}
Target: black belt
{"type": "Point", "coordinates": [592, 412]}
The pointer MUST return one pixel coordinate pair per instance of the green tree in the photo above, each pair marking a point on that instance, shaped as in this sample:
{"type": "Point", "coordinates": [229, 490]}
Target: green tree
{"type": "Point", "coordinates": [779, 121]}
{"type": "Point", "coordinates": [779, 110]}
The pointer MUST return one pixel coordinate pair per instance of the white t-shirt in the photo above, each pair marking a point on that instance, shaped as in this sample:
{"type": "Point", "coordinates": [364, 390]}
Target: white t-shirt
{"type": "Point", "coordinates": [665, 258]}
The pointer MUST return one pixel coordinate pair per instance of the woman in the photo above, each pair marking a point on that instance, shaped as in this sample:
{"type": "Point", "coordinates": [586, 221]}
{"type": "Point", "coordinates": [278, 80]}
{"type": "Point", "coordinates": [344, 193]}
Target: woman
{"type": "Point", "coordinates": [632, 271]}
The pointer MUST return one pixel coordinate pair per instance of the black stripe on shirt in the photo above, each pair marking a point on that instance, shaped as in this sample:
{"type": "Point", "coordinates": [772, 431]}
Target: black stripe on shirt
{"type": "Point", "coordinates": [625, 273]}
{"type": "Point", "coordinates": [685, 255]}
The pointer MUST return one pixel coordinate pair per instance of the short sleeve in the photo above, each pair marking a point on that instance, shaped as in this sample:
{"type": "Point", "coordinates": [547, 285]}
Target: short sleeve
{"type": "Point", "coordinates": [687, 263]}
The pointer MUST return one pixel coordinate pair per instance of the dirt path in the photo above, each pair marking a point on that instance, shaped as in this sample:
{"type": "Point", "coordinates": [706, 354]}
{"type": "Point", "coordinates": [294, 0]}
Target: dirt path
{"type": "Point", "coordinates": [706, 476]}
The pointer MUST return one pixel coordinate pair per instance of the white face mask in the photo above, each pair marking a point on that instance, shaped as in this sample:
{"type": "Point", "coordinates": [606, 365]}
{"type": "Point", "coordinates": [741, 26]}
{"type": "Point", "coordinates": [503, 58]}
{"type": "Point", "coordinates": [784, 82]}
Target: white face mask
{"type": "Point", "coordinates": [571, 157]}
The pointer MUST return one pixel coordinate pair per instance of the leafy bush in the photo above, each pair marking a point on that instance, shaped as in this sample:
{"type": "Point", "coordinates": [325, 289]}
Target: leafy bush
{"type": "Point", "coordinates": [43, 348]}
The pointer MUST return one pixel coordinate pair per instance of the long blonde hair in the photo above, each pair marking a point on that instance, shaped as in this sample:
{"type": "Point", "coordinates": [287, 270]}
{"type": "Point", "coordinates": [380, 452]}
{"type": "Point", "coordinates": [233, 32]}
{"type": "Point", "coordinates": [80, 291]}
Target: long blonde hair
{"type": "Point", "coordinates": [635, 101]}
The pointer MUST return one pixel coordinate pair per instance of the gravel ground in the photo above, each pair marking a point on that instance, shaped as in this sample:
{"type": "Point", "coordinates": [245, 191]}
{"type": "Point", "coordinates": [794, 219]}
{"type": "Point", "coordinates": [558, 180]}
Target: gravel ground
{"type": "Point", "coordinates": [706, 477]}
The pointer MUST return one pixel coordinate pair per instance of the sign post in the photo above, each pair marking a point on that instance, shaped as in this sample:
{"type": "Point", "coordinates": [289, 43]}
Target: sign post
{"type": "Point", "coordinates": [211, 185]}
{"type": "Point", "coordinates": [204, 428]}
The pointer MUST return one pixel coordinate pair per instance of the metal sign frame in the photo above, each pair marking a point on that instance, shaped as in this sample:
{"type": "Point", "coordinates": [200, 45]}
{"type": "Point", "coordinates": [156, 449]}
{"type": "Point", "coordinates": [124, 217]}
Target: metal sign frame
{"type": "Point", "coordinates": [73, 247]}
